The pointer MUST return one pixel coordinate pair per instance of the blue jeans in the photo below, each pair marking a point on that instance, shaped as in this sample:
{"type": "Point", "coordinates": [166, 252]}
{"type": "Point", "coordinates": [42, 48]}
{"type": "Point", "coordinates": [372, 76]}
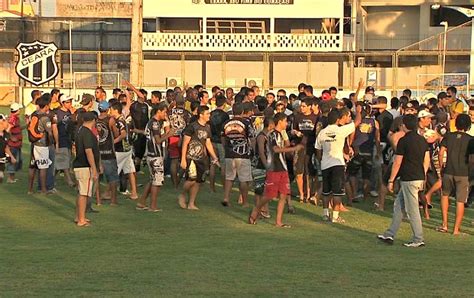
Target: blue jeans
{"type": "Point", "coordinates": [407, 201]}
{"type": "Point", "coordinates": [13, 168]}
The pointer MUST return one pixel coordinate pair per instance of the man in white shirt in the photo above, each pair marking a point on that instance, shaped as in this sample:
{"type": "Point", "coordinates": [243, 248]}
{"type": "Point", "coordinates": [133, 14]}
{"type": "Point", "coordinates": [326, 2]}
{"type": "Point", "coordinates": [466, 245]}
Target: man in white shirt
{"type": "Point", "coordinates": [330, 151]}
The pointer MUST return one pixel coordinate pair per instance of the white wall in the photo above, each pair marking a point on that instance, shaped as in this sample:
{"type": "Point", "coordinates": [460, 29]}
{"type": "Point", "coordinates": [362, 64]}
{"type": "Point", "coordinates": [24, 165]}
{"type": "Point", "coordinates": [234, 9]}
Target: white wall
{"type": "Point", "coordinates": [186, 8]}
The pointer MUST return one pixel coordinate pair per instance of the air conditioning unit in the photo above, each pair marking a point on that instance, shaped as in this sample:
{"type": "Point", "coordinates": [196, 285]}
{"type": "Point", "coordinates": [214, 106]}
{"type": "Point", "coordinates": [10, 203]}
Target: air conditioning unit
{"type": "Point", "coordinates": [172, 82]}
{"type": "Point", "coordinates": [250, 82]}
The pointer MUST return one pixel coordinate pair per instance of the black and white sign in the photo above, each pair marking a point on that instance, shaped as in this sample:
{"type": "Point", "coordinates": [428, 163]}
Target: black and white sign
{"type": "Point", "coordinates": [37, 62]}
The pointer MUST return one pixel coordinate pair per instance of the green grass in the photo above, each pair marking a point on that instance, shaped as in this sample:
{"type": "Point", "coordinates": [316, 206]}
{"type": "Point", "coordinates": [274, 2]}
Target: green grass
{"type": "Point", "coordinates": [213, 252]}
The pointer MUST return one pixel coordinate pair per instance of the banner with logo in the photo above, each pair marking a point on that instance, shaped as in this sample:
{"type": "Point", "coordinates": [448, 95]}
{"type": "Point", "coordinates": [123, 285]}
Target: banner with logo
{"type": "Point", "coordinates": [37, 62]}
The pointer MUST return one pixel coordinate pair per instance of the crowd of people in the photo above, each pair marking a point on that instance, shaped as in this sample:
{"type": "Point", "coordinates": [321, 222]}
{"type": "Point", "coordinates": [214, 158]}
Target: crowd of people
{"type": "Point", "coordinates": [358, 148]}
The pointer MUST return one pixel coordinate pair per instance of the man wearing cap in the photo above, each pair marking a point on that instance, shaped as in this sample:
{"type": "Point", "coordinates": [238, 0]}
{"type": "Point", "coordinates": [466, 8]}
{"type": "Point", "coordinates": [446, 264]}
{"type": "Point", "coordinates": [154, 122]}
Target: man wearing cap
{"type": "Point", "coordinates": [40, 157]}
{"type": "Point", "coordinates": [87, 103]}
{"type": "Point", "coordinates": [64, 145]}
{"type": "Point", "coordinates": [15, 141]}
{"type": "Point", "coordinates": [108, 131]}
{"type": "Point", "coordinates": [86, 165]}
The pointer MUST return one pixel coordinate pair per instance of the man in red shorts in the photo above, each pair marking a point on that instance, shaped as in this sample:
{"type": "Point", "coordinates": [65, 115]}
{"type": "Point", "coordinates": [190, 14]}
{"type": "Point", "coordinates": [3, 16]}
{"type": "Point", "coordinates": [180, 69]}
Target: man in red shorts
{"type": "Point", "coordinates": [277, 181]}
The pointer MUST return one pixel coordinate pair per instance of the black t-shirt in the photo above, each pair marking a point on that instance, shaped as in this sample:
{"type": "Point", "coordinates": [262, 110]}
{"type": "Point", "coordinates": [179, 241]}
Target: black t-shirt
{"type": "Point", "coordinates": [154, 128]}
{"type": "Point", "coordinates": [179, 119]}
{"type": "Point", "coordinates": [460, 145]}
{"type": "Point", "coordinates": [413, 148]}
{"type": "Point", "coordinates": [197, 145]}
{"type": "Point", "coordinates": [64, 121]}
{"type": "Point", "coordinates": [106, 139]}
{"type": "Point", "coordinates": [85, 139]}
{"type": "Point", "coordinates": [193, 118]}
{"type": "Point", "coordinates": [139, 113]}
{"type": "Point", "coordinates": [124, 145]}
{"type": "Point", "coordinates": [306, 124]}
{"type": "Point", "coordinates": [277, 160]}
{"type": "Point", "coordinates": [385, 120]}
{"type": "Point", "coordinates": [236, 136]}
{"type": "Point", "coordinates": [218, 118]}
{"type": "Point", "coordinates": [364, 140]}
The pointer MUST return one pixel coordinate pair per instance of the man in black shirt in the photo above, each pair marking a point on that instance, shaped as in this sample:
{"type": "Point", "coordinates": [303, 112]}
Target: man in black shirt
{"type": "Point", "coordinates": [86, 165]}
{"type": "Point", "coordinates": [304, 132]}
{"type": "Point", "coordinates": [218, 118]}
{"type": "Point", "coordinates": [235, 139]}
{"type": "Point", "coordinates": [458, 146]}
{"type": "Point", "coordinates": [195, 153]}
{"type": "Point", "coordinates": [107, 132]}
{"type": "Point", "coordinates": [63, 150]}
{"type": "Point", "coordinates": [139, 113]}
{"type": "Point", "coordinates": [411, 163]}
{"type": "Point", "coordinates": [157, 131]}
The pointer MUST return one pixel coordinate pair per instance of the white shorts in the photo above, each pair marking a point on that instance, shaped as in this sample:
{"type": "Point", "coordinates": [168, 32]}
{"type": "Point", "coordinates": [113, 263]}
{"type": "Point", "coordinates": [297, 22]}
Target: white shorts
{"type": "Point", "coordinates": [84, 181]}
{"type": "Point", "coordinates": [125, 162]}
{"type": "Point", "coordinates": [157, 176]}
{"type": "Point", "coordinates": [41, 157]}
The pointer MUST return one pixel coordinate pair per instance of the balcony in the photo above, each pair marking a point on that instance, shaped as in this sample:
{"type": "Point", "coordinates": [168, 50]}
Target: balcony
{"type": "Point", "coordinates": [251, 42]}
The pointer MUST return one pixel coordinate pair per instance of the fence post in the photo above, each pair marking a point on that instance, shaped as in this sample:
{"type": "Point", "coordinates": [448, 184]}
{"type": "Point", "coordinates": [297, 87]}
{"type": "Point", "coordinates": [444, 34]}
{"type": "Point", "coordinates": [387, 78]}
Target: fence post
{"type": "Point", "coordinates": [394, 73]}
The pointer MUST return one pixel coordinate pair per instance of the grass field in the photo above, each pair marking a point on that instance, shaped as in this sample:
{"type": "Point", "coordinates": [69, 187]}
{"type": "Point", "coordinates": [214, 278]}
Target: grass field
{"type": "Point", "coordinates": [213, 252]}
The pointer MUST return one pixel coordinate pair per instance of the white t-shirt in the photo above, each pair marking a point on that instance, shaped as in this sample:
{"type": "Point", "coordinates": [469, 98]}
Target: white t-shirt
{"type": "Point", "coordinates": [331, 141]}
{"type": "Point", "coordinates": [395, 113]}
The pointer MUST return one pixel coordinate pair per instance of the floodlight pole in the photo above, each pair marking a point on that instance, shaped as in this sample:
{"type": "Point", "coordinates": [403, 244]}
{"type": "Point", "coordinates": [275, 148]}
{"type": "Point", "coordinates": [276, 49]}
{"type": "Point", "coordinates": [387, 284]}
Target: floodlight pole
{"type": "Point", "coordinates": [470, 14]}
{"type": "Point", "coordinates": [70, 51]}
{"type": "Point", "coordinates": [445, 24]}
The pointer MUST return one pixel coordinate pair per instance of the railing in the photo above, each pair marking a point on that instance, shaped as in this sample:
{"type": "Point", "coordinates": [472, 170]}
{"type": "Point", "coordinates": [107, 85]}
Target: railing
{"type": "Point", "coordinates": [277, 42]}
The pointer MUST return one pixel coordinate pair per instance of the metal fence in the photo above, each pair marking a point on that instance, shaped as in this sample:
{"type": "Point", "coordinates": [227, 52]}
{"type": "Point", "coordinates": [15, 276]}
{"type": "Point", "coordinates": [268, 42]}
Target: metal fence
{"type": "Point", "coordinates": [387, 70]}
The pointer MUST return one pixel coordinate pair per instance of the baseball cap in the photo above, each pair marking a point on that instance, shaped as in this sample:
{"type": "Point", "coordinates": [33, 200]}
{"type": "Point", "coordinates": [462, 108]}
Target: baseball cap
{"type": "Point", "coordinates": [86, 99]}
{"type": "Point", "coordinates": [65, 98]}
{"type": "Point", "coordinates": [424, 113]}
{"type": "Point", "coordinates": [3, 117]}
{"type": "Point", "coordinates": [408, 106]}
{"type": "Point", "coordinates": [88, 116]}
{"type": "Point", "coordinates": [442, 95]}
{"type": "Point", "coordinates": [15, 107]}
{"type": "Point", "coordinates": [103, 106]}
{"type": "Point", "coordinates": [369, 89]}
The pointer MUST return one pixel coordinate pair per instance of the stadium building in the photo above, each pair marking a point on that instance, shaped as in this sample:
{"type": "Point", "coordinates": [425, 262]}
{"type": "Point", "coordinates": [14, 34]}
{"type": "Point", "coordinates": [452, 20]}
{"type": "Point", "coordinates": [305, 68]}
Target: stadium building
{"type": "Point", "coordinates": [275, 44]}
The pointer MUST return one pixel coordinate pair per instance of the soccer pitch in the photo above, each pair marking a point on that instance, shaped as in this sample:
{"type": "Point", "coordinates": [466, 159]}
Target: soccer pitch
{"type": "Point", "coordinates": [214, 252]}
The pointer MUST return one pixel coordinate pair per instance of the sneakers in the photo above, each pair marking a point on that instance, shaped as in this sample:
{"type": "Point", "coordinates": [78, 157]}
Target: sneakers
{"type": "Point", "coordinates": [385, 239]}
{"type": "Point", "coordinates": [414, 244]}
{"type": "Point", "coordinates": [326, 218]}
{"type": "Point", "coordinates": [374, 194]}
{"type": "Point", "coordinates": [126, 193]}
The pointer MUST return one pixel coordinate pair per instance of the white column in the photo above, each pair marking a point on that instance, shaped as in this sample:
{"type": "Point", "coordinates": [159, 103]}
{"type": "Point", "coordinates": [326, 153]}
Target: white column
{"type": "Point", "coordinates": [204, 32]}
{"type": "Point", "coordinates": [272, 32]}
{"type": "Point", "coordinates": [136, 55]}
{"type": "Point", "coordinates": [471, 67]}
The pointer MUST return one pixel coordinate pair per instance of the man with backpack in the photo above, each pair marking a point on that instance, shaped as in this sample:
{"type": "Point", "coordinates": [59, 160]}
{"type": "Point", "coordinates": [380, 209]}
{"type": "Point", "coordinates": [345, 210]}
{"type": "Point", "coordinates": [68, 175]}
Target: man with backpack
{"type": "Point", "coordinates": [40, 135]}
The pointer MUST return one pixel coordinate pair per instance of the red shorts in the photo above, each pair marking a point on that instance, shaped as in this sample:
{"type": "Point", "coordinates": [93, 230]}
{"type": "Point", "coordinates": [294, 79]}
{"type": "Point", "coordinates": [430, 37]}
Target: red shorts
{"type": "Point", "coordinates": [277, 182]}
{"type": "Point", "coordinates": [173, 147]}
